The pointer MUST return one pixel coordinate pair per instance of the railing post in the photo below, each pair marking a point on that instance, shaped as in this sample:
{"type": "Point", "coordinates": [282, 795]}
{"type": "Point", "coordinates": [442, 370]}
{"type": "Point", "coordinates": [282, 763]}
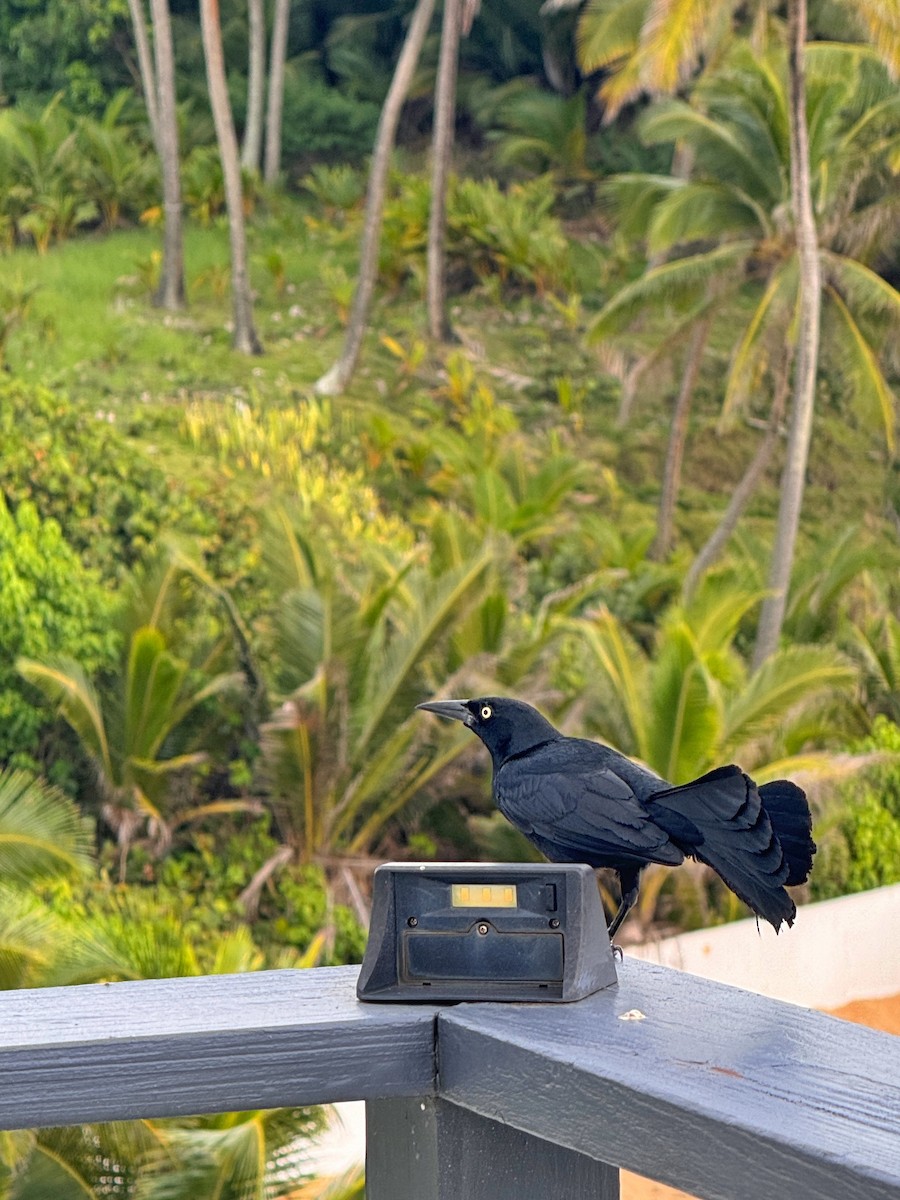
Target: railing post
{"type": "Point", "coordinates": [428, 1149]}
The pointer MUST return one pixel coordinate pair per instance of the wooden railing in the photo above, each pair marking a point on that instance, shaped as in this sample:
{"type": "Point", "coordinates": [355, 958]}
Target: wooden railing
{"type": "Point", "coordinates": [705, 1087]}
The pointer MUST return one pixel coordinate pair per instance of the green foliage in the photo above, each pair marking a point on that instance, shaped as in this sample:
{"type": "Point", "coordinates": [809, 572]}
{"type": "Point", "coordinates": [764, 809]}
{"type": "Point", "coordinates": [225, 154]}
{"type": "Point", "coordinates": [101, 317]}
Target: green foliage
{"type": "Point", "coordinates": [59, 172]}
{"type": "Point", "coordinates": [77, 466]}
{"type": "Point", "coordinates": [727, 235]}
{"type": "Point", "coordinates": [540, 130]}
{"type": "Point", "coordinates": [859, 835]}
{"type": "Point", "coordinates": [320, 120]}
{"type": "Point", "coordinates": [142, 742]}
{"type": "Point", "coordinates": [50, 604]}
{"type": "Point", "coordinates": [58, 45]}
{"type": "Point", "coordinates": [511, 236]}
{"type": "Point", "coordinates": [337, 189]}
{"type": "Point", "coordinates": [356, 647]}
{"type": "Point", "coordinates": [42, 832]}
{"type": "Point", "coordinates": [692, 703]}
{"type": "Point", "coordinates": [204, 882]}
{"type": "Point", "coordinates": [15, 303]}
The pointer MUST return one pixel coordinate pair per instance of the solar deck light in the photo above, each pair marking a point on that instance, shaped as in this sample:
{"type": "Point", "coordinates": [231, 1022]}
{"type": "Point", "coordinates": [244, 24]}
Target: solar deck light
{"type": "Point", "coordinates": [485, 931]}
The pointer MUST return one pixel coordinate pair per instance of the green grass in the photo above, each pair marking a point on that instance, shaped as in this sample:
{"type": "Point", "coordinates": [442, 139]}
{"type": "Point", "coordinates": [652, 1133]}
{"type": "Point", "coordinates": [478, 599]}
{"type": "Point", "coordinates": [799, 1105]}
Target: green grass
{"type": "Point", "coordinates": [94, 333]}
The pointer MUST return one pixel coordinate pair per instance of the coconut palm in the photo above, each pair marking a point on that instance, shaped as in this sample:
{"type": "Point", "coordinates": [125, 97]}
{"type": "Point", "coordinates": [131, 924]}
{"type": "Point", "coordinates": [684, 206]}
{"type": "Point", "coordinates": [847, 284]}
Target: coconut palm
{"type": "Point", "coordinates": [338, 377]}
{"type": "Point", "coordinates": [278, 54]}
{"type": "Point", "coordinates": [244, 336]}
{"type": "Point", "coordinates": [251, 149]}
{"type": "Point", "coordinates": [655, 45]}
{"type": "Point", "coordinates": [457, 20]}
{"type": "Point", "coordinates": [730, 225]}
{"type": "Point", "coordinates": [170, 294]}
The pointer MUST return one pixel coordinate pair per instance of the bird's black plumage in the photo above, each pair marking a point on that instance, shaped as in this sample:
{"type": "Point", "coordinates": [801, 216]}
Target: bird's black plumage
{"type": "Point", "coordinates": [581, 801]}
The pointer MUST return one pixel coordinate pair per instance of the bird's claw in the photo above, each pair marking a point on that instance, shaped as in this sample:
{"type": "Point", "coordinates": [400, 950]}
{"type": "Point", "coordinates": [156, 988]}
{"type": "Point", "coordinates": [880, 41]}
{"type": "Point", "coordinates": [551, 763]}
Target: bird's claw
{"type": "Point", "coordinates": [617, 952]}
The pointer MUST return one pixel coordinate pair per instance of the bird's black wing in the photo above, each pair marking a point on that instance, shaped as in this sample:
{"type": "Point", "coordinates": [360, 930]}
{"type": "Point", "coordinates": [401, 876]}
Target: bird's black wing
{"type": "Point", "coordinates": [568, 799]}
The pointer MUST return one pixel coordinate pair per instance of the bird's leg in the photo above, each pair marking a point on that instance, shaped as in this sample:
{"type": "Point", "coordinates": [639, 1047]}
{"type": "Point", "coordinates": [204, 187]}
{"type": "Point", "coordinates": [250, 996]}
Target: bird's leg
{"type": "Point", "coordinates": [629, 882]}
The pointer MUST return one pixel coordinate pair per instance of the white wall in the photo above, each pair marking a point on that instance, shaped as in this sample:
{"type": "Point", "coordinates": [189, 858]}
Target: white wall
{"type": "Point", "coordinates": [837, 951]}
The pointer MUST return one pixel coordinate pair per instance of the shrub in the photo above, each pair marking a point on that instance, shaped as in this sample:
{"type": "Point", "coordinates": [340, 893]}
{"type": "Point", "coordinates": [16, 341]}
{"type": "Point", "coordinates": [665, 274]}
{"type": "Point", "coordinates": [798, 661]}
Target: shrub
{"type": "Point", "coordinates": [202, 886]}
{"type": "Point", "coordinates": [321, 120]}
{"type": "Point", "coordinates": [80, 469]}
{"type": "Point", "coordinates": [50, 604]}
{"type": "Point", "coordinates": [510, 235]}
{"type": "Point", "coordinates": [860, 846]}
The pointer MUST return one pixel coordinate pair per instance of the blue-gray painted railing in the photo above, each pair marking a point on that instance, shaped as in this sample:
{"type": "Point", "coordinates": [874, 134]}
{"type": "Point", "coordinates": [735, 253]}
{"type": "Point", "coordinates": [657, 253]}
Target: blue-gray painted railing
{"type": "Point", "coordinates": [711, 1089]}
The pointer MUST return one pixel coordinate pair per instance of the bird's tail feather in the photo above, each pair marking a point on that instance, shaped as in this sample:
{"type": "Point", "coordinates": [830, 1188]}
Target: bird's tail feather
{"type": "Point", "coordinates": [733, 834]}
{"type": "Point", "coordinates": [791, 819]}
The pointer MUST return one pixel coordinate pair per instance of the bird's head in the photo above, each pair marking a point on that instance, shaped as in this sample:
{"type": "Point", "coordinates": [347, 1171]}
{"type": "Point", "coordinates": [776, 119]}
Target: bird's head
{"type": "Point", "coordinates": [505, 726]}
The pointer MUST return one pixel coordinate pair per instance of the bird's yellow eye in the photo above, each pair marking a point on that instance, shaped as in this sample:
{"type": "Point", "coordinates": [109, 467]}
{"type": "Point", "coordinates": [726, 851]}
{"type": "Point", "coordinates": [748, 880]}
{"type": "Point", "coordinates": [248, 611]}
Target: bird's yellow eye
{"type": "Point", "coordinates": [486, 712]}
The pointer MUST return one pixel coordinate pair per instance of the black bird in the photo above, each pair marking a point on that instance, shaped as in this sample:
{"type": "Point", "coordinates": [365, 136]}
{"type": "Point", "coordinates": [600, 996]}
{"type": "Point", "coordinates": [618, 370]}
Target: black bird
{"type": "Point", "coordinates": [581, 801]}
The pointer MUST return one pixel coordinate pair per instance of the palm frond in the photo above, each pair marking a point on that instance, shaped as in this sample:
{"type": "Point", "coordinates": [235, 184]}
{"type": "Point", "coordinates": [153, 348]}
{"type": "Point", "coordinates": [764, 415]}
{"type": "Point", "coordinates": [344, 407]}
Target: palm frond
{"type": "Point", "coordinates": [29, 937]}
{"type": "Point", "coordinates": [843, 59]}
{"type": "Point", "coordinates": [620, 88]}
{"type": "Point", "coordinates": [685, 722]}
{"type": "Point", "coordinates": [778, 301]}
{"type": "Point", "coordinates": [153, 680]}
{"type": "Point", "coordinates": [863, 290]}
{"type": "Point", "coordinates": [608, 32]}
{"type": "Point", "coordinates": [672, 40]}
{"type": "Point", "coordinates": [674, 282]}
{"type": "Point", "coordinates": [863, 375]}
{"type": "Point", "coordinates": [620, 659]}
{"type": "Point", "coordinates": [632, 198]}
{"type": "Point", "coordinates": [794, 675]}
{"type": "Point", "coordinates": [702, 212]}
{"type": "Point", "coordinates": [720, 145]}
{"type": "Point", "coordinates": [63, 682]}
{"type": "Point", "coordinates": [41, 831]}
{"type": "Point", "coordinates": [439, 605]}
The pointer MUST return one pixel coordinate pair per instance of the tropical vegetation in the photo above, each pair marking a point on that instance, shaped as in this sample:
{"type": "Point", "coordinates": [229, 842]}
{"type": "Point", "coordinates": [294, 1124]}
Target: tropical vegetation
{"type": "Point", "coordinates": [530, 403]}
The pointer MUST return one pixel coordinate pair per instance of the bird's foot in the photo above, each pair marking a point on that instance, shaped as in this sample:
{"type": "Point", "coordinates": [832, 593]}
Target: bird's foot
{"type": "Point", "coordinates": [617, 952]}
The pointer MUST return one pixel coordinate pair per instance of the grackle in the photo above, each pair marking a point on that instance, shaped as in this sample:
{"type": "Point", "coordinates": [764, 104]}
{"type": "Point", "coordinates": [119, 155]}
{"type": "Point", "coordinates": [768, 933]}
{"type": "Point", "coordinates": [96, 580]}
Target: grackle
{"type": "Point", "coordinates": [581, 801]}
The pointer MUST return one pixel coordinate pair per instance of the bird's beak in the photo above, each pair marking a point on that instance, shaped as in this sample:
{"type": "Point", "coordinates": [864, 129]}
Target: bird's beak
{"type": "Point", "coordinates": [456, 710]}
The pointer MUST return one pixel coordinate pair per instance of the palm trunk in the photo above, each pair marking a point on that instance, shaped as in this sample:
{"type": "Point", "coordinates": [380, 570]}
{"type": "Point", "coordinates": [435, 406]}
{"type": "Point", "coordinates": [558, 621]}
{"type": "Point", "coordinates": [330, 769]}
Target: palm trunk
{"type": "Point", "coordinates": [170, 293]}
{"type": "Point", "coordinates": [771, 616]}
{"type": "Point", "coordinates": [441, 155]}
{"type": "Point", "coordinates": [277, 59]}
{"type": "Point", "coordinates": [665, 524]}
{"type": "Point", "coordinates": [244, 337]}
{"type": "Point", "coordinates": [748, 484]}
{"type": "Point", "coordinates": [335, 381]}
{"type": "Point", "coordinates": [256, 85]}
{"type": "Point", "coordinates": [145, 66]}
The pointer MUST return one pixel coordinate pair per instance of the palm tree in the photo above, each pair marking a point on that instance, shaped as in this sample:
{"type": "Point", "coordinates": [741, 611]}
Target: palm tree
{"type": "Point", "coordinates": [735, 127]}
{"type": "Point", "coordinates": [654, 45]}
{"type": "Point", "coordinates": [337, 378]}
{"type": "Point", "coordinates": [256, 85]}
{"type": "Point", "coordinates": [457, 20]}
{"type": "Point", "coordinates": [129, 743]}
{"type": "Point", "coordinates": [244, 337]}
{"type": "Point", "coordinates": [145, 67]}
{"type": "Point", "coordinates": [170, 293]}
{"type": "Point", "coordinates": [280, 23]}
{"type": "Point", "coordinates": [345, 752]}
{"type": "Point", "coordinates": [806, 361]}
{"type": "Point", "coordinates": [692, 703]}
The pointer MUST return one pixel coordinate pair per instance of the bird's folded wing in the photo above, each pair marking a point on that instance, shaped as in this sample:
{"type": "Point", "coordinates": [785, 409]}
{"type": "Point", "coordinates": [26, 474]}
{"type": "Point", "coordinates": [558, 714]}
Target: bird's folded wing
{"type": "Point", "coordinates": [584, 808]}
